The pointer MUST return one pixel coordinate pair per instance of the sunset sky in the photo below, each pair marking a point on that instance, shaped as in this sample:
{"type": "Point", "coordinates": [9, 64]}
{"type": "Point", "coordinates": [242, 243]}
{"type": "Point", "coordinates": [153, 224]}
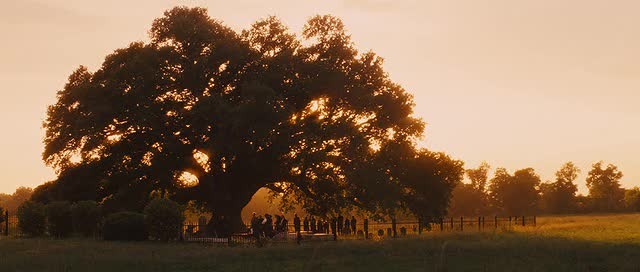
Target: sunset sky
{"type": "Point", "coordinates": [516, 83]}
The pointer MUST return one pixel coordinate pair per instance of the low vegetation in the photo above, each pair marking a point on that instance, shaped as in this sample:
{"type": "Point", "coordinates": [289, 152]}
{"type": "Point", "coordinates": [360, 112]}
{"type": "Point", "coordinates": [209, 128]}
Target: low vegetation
{"type": "Point", "coordinates": [125, 226]}
{"type": "Point", "coordinates": [32, 218]}
{"type": "Point", "coordinates": [563, 243]}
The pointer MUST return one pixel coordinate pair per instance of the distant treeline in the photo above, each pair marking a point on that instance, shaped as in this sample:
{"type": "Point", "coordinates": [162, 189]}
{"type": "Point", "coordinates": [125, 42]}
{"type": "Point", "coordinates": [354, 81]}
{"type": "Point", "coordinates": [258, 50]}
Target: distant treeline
{"type": "Point", "coordinates": [523, 192]}
{"type": "Point", "coordinates": [519, 193]}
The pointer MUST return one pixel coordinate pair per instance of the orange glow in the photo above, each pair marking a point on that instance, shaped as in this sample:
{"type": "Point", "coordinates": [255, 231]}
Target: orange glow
{"type": "Point", "coordinates": [514, 83]}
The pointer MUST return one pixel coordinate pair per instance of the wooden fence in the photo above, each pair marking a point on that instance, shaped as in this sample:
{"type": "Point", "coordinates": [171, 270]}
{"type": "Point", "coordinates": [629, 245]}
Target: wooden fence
{"type": "Point", "coordinates": [195, 232]}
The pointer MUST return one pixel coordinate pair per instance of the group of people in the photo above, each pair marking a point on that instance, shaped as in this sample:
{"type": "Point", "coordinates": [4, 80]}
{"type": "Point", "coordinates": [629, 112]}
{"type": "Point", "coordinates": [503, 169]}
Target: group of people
{"type": "Point", "coordinates": [266, 226]}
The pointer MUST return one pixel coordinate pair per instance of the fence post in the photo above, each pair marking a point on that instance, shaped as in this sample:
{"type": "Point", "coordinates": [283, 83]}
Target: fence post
{"type": "Point", "coordinates": [523, 220]}
{"type": "Point", "coordinates": [6, 223]}
{"type": "Point", "coordinates": [451, 223]}
{"type": "Point", "coordinates": [495, 221]}
{"type": "Point", "coordinates": [419, 225]}
{"type": "Point", "coordinates": [479, 223]}
{"type": "Point", "coordinates": [483, 223]}
{"type": "Point", "coordinates": [509, 222]}
{"type": "Point", "coordinates": [534, 220]}
{"type": "Point", "coordinates": [441, 224]}
{"type": "Point", "coordinates": [461, 222]}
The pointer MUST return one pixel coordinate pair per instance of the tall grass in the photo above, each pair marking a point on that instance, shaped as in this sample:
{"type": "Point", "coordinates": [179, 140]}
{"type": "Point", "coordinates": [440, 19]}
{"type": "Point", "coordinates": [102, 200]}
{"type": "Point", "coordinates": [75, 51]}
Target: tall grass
{"type": "Point", "coordinates": [567, 243]}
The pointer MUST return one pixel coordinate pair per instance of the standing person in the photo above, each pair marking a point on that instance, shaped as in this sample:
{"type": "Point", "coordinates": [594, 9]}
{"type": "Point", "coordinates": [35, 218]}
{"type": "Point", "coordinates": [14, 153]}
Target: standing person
{"type": "Point", "coordinates": [268, 225]}
{"type": "Point", "coordinates": [296, 226]}
{"type": "Point", "coordinates": [325, 226]}
{"type": "Point", "coordinates": [313, 224]}
{"type": "Point", "coordinates": [277, 223]}
{"type": "Point", "coordinates": [353, 224]}
{"type": "Point", "coordinates": [284, 225]}
{"type": "Point", "coordinates": [319, 226]}
{"type": "Point", "coordinates": [255, 228]}
{"type": "Point", "coordinates": [347, 226]}
{"type": "Point", "coordinates": [334, 226]}
{"type": "Point", "coordinates": [366, 228]}
{"type": "Point", "coordinates": [306, 223]}
{"type": "Point", "coordinates": [340, 224]}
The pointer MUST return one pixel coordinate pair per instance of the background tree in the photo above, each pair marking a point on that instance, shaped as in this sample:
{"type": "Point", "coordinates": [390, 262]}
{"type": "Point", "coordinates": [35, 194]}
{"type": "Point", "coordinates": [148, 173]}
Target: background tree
{"type": "Point", "coordinates": [479, 176]}
{"type": "Point", "coordinates": [604, 187]}
{"type": "Point", "coordinates": [208, 115]}
{"type": "Point", "coordinates": [466, 200]}
{"type": "Point", "coordinates": [472, 198]}
{"type": "Point", "coordinates": [632, 199]}
{"type": "Point", "coordinates": [560, 196]}
{"type": "Point", "coordinates": [515, 194]}
{"type": "Point", "coordinates": [11, 202]}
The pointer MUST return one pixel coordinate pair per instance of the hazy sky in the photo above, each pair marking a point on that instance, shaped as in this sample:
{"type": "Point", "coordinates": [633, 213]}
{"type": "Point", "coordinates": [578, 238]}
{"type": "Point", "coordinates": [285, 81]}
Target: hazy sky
{"type": "Point", "coordinates": [518, 83]}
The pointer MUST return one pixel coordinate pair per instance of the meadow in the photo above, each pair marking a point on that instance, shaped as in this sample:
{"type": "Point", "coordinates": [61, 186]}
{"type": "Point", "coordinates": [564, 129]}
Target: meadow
{"type": "Point", "coordinates": [559, 243]}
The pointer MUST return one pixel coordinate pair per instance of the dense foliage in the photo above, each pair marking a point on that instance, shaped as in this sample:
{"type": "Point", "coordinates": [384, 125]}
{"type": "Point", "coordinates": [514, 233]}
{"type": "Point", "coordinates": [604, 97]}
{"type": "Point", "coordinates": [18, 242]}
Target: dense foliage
{"type": "Point", "coordinates": [59, 222]}
{"type": "Point", "coordinates": [604, 187]}
{"type": "Point", "coordinates": [164, 219]}
{"type": "Point", "coordinates": [206, 114]}
{"type": "Point", "coordinates": [125, 226]}
{"type": "Point", "coordinates": [86, 217]}
{"type": "Point", "coordinates": [32, 218]}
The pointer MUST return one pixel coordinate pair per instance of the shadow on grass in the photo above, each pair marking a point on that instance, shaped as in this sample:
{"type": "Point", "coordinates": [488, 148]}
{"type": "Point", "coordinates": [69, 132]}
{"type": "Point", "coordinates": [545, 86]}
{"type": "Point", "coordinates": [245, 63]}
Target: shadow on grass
{"type": "Point", "coordinates": [443, 252]}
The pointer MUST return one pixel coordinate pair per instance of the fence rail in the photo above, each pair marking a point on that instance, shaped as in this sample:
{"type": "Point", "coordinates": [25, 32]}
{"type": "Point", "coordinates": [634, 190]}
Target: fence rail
{"type": "Point", "coordinates": [196, 233]}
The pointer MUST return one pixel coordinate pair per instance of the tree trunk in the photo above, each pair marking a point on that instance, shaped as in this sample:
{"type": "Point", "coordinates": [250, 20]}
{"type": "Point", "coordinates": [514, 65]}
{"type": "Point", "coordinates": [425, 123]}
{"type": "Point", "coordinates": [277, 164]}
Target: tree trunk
{"type": "Point", "coordinates": [226, 208]}
{"type": "Point", "coordinates": [225, 222]}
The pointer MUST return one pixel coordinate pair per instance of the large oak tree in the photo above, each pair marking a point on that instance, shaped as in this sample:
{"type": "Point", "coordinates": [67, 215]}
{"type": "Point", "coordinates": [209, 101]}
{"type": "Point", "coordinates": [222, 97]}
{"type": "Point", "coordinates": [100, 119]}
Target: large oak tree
{"type": "Point", "coordinates": [204, 114]}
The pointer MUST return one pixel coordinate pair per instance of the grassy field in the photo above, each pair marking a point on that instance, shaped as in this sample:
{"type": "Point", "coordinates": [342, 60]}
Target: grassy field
{"type": "Point", "coordinates": [568, 243]}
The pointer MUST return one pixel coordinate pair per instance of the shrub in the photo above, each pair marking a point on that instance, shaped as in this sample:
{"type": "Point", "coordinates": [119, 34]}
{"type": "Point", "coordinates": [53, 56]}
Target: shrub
{"type": "Point", "coordinates": [59, 218]}
{"type": "Point", "coordinates": [31, 218]}
{"type": "Point", "coordinates": [164, 219]}
{"type": "Point", "coordinates": [125, 226]}
{"type": "Point", "coordinates": [86, 216]}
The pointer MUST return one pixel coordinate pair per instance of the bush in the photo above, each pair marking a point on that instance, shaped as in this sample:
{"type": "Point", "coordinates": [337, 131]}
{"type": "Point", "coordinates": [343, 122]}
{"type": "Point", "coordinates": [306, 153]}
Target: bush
{"type": "Point", "coordinates": [164, 219]}
{"type": "Point", "coordinates": [59, 219]}
{"type": "Point", "coordinates": [125, 226]}
{"type": "Point", "coordinates": [86, 216]}
{"type": "Point", "coordinates": [31, 218]}
{"type": "Point", "coordinates": [2, 215]}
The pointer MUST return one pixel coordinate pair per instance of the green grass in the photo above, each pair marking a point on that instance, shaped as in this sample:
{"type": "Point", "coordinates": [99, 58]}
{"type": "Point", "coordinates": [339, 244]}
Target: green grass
{"type": "Point", "coordinates": [568, 243]}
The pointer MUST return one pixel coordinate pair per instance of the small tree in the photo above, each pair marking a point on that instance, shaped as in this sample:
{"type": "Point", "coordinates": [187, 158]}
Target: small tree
{"type": "Point", "coordinates": [515, 194]}
{"type": "Point", "coordinates": [31, 218]}
{"type": "Point", "coordinates": [59, 218]}
{"type": "Point", "coordinates": [466, 200]}
{"type": "Point", "coordinates": [86, 216]}
{"type": "Point", "coordinates": [471, 198]}
{"type": "Point", "coordinates": [560, 196]}
{"type": "Point", "coordinates": [604, 187]}
{"type": "Point", "coordinates": [164, 219]}
{"type": "Point", "coordinates": [1, 214]}
{"type": "Point", "coordinates": [632, 199]}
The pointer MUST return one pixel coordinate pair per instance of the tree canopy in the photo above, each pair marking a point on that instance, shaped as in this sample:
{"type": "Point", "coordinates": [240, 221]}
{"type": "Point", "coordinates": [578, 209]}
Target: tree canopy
{"type": "Point", "coordinates": [208, 115]}
{"type": "Point", "coordinates": [604, 187]}
{"type": "Point", "coordinates": [472, 198]}
{"type": "Point", "coordinates": [559, 196]}
{"type": "Point", "coordinates": [515, 194]}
